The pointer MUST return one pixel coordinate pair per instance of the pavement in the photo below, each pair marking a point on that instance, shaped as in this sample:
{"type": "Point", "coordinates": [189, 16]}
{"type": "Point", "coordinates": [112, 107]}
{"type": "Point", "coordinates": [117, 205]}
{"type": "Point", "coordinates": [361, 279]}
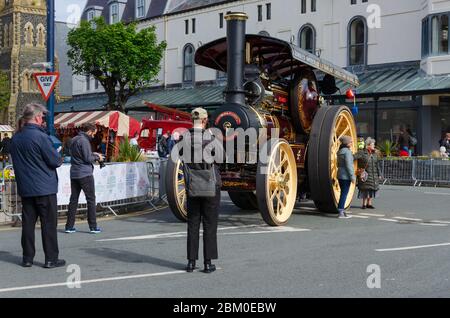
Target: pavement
{"type": "Point", "coordinates": [400, 249]}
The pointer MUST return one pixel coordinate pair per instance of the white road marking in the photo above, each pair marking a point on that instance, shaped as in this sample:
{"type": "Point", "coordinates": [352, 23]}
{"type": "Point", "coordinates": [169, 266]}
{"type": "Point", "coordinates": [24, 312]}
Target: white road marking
{"type": "Point", "coordinates": [433, 224]}
{"type": "Point", "coordinates": [108, 279]}
{"type": "Point", "coordinates": [437, 193]}
{"type": "Point", "coordinates": [308, 208]}
{"type": "Point", "coordinates": [388, 220]}
{"type": "Point", "coordinates": [407, 219]}
{"type": "Point", "coordinates": [411, 247]}
{"type": "Point", "coordinates": [443, 222]}
{"type": "Point", "coordinates": [267, 229]}
{"type": "Point", "coordinates": [360, 216]}
{"type": "Point", "coordinates": [371, 214]}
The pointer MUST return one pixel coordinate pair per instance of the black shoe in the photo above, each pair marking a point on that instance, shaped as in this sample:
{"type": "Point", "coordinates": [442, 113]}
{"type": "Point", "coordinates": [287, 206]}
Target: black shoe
{"type": "Point", "coordinates": [57, 263]}
{"type": "Point", "coordinates": [190, 266]}
{"type": "Point", "coordinates": [27, 263]}
{"type": "Point", "coordinates": [209, 268]}
{"type": "Point", "coordinates": [363, 207]}
{"type": "Point", "coordinates": [370, 207]}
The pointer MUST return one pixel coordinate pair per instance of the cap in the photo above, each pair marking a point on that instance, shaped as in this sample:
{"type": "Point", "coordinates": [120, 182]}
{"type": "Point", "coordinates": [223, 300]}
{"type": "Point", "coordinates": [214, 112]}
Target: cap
{"type": "Point", "coordinates": [199, 113]}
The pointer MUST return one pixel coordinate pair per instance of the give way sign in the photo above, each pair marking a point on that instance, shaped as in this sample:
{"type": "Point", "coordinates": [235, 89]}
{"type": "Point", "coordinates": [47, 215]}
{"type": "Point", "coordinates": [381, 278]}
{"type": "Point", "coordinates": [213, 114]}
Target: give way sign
{"type": "Point", "coordinates": [46, 83]}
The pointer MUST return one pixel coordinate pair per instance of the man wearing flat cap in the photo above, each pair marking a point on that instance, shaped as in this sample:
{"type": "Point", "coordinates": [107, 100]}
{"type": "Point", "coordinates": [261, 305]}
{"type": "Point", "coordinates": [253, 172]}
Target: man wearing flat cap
{"type": "Point", "coordinates": [201, 209]}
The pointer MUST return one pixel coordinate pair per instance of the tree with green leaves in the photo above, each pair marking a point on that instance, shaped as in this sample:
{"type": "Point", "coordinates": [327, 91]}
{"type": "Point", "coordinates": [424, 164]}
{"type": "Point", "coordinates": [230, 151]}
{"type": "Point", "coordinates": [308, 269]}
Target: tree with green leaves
{"type": "Point", "coordinates": [122, 59]}
{"type": "Point", "coordinates": [5, 91]}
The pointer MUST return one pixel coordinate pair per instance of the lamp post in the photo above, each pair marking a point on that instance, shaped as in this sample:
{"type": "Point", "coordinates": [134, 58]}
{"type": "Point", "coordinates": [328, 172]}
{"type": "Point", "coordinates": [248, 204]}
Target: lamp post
{"type": "Point", "coordinates": [51, 66]}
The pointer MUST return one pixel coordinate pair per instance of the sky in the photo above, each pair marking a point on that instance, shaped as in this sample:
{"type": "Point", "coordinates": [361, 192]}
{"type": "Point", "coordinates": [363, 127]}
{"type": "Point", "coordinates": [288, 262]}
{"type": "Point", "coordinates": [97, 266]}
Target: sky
{"type": "Point", "coordinates": [69, 10]}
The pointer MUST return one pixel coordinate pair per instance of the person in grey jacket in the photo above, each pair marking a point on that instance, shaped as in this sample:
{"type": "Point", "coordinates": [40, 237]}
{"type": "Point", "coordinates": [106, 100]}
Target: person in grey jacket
{"type": "Point", "coordinates": [346, 172]}
{"type": "Point", "coordinates": [82, 178]}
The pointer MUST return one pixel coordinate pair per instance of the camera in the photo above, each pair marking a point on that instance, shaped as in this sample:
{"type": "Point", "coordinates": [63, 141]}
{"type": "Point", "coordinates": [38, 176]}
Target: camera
{"type": "Point", "coordinates": [101, 164]}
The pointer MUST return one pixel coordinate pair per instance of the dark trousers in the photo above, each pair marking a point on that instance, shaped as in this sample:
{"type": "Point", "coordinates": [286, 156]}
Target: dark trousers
{"type": "Point", "coordinates": [44, 207]}
{"type": "Point", "coordinates": [345, 188]}
{"type": "Point", "coordinates": [88, 186]}
{"type": "Point", "coordinates": [206, 211]}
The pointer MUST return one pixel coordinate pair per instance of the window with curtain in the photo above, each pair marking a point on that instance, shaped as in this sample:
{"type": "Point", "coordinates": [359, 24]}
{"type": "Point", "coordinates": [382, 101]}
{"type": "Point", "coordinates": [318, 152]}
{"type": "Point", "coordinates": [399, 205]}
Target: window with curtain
{"type": "Point", "coordinates": [307, 38]}
{"type": "Point", "coordinates": [435, 35]}
{"type": "Point", "coordinates": [357, 39]}
{"type": "Point", "coordinates": [188, 64]}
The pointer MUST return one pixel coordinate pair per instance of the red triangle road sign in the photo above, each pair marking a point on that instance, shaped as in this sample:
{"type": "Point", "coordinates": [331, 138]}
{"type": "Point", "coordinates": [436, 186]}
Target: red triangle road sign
{"type": "Point", "coordinates": [46, 83]}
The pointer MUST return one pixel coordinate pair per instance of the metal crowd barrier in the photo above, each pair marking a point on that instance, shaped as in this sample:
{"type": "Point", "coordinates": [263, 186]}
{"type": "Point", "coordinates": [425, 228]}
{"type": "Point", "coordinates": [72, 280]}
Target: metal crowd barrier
{"type": "Point", "coordinates": [416, 171]}
{"type": "Point", "coordinates": [11, 207]}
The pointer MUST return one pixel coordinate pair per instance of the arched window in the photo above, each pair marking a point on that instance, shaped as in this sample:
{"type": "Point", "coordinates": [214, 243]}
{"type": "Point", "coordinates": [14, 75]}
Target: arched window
{"type": "Point", "coordinates": [307, 38]}
{"type": "Point", "coordinates": [264, 33]}
{"type": "Point", "coordinates": [188, 64]}
{"type": "Point", "coordinates": [357, 41]}
{"type": "Point", "coordinates": [25, 81]}
{"type": "Point", "coordinates": [6, 37]}
{"type": "Point", "coordinates": [29, 31]}
{"type": "Point", "coordinates": [11, 35]}
{"type": "Point", "coordinates": [40, 35]}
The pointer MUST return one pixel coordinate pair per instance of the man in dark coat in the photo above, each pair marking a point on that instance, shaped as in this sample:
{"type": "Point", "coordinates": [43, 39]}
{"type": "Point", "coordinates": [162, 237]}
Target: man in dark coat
{"type": "Point", "coordinates": [201, 209]}
{"type": "Point", "coordinates": [35, 161]}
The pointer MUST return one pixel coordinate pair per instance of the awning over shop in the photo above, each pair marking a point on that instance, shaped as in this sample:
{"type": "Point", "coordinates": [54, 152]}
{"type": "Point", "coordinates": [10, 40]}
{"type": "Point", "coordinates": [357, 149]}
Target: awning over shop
{"type": "Point", "coordinates": [181, 98]}
{"type": "Point", "coordinates": [6, 128]}
{"type": "Point", "coordinates": [397, 81]}
{"type": "Point", "coordinates": [115, 120]}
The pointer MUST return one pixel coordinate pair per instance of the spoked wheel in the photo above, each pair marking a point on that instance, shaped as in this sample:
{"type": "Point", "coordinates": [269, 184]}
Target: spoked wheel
{"type": "Point", "coordinates": [176, 190]}
{"type": "Point", "coordinates": [330, 123]}
{"type": "Point", "coordinates": [244, 200]}
{"type": "Point", "coordinates": [276, 183]}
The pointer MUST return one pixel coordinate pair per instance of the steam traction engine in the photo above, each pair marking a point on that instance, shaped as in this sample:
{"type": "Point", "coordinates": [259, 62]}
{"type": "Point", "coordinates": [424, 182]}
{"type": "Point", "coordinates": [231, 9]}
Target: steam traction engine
{"type": "Point", "coordinates": [273, 84]}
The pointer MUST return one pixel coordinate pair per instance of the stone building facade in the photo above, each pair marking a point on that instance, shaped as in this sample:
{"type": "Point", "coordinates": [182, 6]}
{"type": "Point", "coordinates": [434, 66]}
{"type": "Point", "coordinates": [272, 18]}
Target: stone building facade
{"type": "Point", "coordinates": [23, 25]}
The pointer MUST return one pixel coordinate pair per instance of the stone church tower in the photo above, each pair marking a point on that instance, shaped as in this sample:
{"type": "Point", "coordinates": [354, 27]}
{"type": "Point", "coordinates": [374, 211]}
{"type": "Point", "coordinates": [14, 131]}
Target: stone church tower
{"type": "Point", "coordinates": [23, 25]}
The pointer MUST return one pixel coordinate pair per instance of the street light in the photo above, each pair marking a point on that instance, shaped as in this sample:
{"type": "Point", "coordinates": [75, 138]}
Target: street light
{"type": "Point", "coordinates": [50, 66]}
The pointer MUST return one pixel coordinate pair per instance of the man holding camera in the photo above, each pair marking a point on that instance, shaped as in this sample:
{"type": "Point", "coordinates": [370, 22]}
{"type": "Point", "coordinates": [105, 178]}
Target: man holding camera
{"type": "Point", "coordinates": [82, 178]}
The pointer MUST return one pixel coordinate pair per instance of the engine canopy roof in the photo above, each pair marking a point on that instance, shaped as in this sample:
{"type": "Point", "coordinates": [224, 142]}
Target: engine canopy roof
{"type": "Point", "coordinates": [279, 58]}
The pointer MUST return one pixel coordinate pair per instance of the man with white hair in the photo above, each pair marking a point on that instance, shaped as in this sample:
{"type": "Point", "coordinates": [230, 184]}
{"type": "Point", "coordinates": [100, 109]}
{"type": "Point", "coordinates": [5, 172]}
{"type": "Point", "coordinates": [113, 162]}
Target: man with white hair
{"type": "Point", "coordinates": [35, 161]}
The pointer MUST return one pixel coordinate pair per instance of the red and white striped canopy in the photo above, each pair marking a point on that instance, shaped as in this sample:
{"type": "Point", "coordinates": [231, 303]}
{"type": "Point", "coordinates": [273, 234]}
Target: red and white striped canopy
{"type": "Point", "coordinates": [115, 120]}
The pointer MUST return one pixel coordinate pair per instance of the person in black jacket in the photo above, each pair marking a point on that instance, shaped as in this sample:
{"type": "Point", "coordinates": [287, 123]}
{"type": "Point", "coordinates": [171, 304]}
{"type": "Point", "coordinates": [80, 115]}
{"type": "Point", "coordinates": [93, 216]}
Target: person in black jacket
{"type": "Point", "coordinates": [35, 161]}
{"type": "Point", "coordinates": [82, 177]}
{"type": "Point", "coordinates": [199, 209]}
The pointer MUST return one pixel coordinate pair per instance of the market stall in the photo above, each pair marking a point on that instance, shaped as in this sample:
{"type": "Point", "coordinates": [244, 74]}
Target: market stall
{"type": "Point", "coordinates": [112, 126]}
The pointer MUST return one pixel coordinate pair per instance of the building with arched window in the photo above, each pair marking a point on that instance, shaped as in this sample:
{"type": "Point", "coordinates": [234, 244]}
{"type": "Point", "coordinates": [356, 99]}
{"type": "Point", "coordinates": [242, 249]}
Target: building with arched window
{"type": "Point", "coordinates": [188, 65]}
{"type": "Point", "coordinates": [357, 41]}
{"type": "Point", "coordinates": [399, 49]}
{"type": "Point", "coordinates": [307, 38]}
{"type": "Point", "coordinates": [23, 31]}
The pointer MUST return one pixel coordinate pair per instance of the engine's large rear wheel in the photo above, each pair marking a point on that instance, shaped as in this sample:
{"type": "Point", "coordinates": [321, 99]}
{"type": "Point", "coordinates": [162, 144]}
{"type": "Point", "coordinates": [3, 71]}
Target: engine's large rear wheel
{"type": "Point", "coordinates": [276, 183]}
{"type": "Point", "coordinates": [330, 123]}
{"type": "Point", "coordinates": [176, 190]}
{"type": "Point", "coordinates": [244, 200]}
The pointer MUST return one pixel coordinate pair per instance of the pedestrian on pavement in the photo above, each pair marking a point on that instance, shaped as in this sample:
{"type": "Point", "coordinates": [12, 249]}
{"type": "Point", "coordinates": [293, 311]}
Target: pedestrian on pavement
{"type": "Point", "coordinates": [346, 173]}
{"type": "Point", "coordinates": [134, 141]}
{"type": "Point", "coordinates": [82, 177]}
{"type": "Point", "coordinates": [201, 209]}
{"type": "Point", "coordinates": [5, 146]}
{"type": "Point", "coordinates": [35, 161]}
{"type": "Point", "coordinates": [445, 142]}
{"type": "Point", "coordinates": [163, 145]}
{"type": "Point", "coordinates": [368, 181]}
